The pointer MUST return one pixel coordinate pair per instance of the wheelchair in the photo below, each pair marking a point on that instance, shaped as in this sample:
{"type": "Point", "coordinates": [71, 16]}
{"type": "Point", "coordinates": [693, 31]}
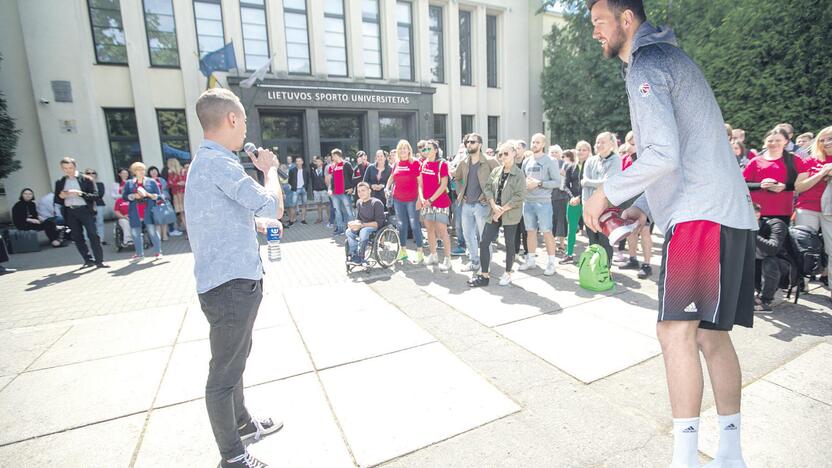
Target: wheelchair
{"type": "Point", "coordinates": [382, 248]}
{"type": "Point", "coordinates": [118, 238]}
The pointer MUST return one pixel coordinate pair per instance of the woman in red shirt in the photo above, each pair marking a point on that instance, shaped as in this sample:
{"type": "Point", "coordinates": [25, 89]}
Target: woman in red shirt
{"type": "Point", "coordinates": [812, 180]}
{"type": "Point", "coordinates": [435, 202]}
{"type": "Point", "coordinates": [771, 177]}
{"type": "Point", "coordinates": [176, 185]}
{"type": "Point", "coordinates": [405, 182]}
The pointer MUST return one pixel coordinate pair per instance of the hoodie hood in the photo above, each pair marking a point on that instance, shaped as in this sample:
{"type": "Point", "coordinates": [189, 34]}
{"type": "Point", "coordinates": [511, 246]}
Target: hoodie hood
{"type": "Point", "coordinates": [648, 34]}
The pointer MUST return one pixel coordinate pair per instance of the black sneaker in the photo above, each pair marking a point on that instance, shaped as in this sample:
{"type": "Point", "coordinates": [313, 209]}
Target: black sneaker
{"type": "Point", "coordinates": [258, 429]}
{"type": "Point", "coordinates": [245, 460]}
{"type": "Point", "coordinates": [88, 264]}
{"type": "Point", "coordinates": [631, 264]}
{"type": "Point", "coordinates": [763, 307]}
{"type": "Point", "coordinates": [478, 281]}
{"type": "Point", "coordinates": [303, 221]}
{"type": "Point", "coordinates": [102, 265]}
{"type": "Point", "coordinates": [568, 260]}
{"type": "Point", "coordinates": [824, 280]}
{"type": "Point", "coordinates": [646, 271]}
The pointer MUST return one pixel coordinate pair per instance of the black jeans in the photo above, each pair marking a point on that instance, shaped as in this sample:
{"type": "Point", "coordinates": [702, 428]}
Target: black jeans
{"type": "Point", "coordinates": [231, 309]}
{"type": "Point", "coordinates": [84, 218]}
{"type": "Point", "coordinates": [489, 235]}
{"type": "Point", "coordinates": [523, 237]}
{"type": "Point", "coordinates": [768, 275]}
{"type": "Point", "coordinates": [48, 226]}
{"type": "Point", "coordinates": [602, 240]}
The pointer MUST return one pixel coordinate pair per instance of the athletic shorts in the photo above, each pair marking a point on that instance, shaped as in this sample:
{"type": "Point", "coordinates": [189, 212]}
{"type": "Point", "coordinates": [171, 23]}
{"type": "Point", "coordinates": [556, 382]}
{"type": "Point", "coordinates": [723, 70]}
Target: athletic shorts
{"type": "Point", "coordinates": [707, 274]}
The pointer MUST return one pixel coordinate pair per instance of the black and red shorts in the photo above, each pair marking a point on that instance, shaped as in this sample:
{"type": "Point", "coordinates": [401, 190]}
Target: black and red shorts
{"type": "Point", "coordinates": [707, 274]}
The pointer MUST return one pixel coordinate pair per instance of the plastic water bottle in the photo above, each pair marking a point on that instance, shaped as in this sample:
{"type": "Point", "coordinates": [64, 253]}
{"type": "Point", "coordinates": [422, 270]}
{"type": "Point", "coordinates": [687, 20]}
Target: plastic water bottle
{"type": "Point", "coordinates": [273, 240]}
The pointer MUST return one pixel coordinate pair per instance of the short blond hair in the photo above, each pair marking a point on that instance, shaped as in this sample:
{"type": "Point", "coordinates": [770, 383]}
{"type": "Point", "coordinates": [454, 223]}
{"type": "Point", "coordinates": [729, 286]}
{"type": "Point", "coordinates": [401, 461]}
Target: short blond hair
{"type": "Point", "coordinates": [137, 165]}
{"type": "Point", "coordinates": [583, 143]}
{"type": "Point", "coordinates": [404, 144]}
{"type": "Point", "coordinates": [818, 150]}
{"type": "Point", "coordinates": [214, 105]}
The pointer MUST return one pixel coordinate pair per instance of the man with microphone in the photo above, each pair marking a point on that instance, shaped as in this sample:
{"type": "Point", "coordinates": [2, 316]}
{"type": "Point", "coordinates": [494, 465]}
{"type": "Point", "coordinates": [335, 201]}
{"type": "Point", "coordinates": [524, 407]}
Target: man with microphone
{"type": "Point", "coordinates": [221, 201]}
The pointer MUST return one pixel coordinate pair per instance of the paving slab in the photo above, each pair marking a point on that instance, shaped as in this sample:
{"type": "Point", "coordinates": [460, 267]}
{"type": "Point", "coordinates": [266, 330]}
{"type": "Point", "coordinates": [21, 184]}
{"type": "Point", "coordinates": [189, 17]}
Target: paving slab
{"type": "Point", "coordinates": [350, 322]}
{"type": "Point", "coordinates": [22, 346]}
{"type": "Point", "coordinates": [5, 381]}
{"type": "Point", "coordinates": [394, 404]}
{"type": "Point", "coordinates": [580, 344]}
{"type": "Point", "coordinates": [808, 374]}
{"type": "Point", "coordinates": [276, 353]}
{"type": "Point", "coordinates": [113, 335]}
{"type": "Point", "coordinates": [80, 394]}
{"type": "Point", "coordinates": [103, 445]}
{"type": "Point", "coordinates": [779, 428]}
{"type": "Point", "coordinates": [630, 310]}
{"type": "Point", "coordinates": [309, 437]}
{"type": "Point", "coordinates": [272, 312]}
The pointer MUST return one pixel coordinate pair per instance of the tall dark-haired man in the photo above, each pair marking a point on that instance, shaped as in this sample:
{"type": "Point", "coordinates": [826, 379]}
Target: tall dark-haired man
{"type": "Point", "coordinates": [692, 190]}
{"type": "Point", "coordinates": [77, 195]}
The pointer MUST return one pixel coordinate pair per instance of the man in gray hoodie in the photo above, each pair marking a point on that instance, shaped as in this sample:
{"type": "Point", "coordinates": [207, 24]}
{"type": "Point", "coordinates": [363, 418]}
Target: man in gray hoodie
{"type": "Point", "coordinates": [542, 176]}
{"type": "Point", "coordinates": [695, 194]}
{"type": "Point", "coordinates": [605, 164]}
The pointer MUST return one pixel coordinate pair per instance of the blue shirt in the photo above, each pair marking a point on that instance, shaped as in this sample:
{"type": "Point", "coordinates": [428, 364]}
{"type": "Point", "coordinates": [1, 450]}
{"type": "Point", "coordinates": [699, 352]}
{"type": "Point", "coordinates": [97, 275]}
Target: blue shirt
{"type": "Point", "coordinates": [221, 201]}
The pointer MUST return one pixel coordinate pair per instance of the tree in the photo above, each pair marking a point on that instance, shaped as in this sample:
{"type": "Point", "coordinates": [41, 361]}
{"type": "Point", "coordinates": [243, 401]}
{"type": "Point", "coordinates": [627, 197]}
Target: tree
{"type": "Point", "coordinates": [9, 135]}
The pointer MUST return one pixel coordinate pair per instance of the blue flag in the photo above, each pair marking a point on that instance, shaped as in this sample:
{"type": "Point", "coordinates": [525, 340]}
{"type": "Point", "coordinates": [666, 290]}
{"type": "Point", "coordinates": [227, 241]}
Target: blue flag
{"type": "Point", "coordinates": [220, 59]}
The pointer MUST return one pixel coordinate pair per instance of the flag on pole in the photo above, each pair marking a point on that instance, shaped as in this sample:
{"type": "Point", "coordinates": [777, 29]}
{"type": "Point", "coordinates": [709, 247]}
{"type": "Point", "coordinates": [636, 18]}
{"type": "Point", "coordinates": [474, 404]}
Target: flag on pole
{"type": "Point", "coordinates": [258, 74]}
{"type": "Point", "coordinates": [222, 59]}
{"type": "Point", "coordinates": [213, 82]}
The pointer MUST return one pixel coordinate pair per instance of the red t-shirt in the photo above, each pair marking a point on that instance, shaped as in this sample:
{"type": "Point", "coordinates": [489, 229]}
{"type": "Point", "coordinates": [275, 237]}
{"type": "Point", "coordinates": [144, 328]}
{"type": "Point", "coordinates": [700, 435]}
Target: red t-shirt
{"type": "Point", "coordinates": [771, 203]}
{"type": "Point", "coordinates": [122, 206]}
{"type": "Point", "coordinates": [337, 173]}
{"type": "Point", "coordinates": [810, 199]}
{"type": "Point", "coordinates": [176, 183]}
{"type": "Point", "coordinates": [431, 182]}
{"type": "Point", "coordinates": [405, 177]}
{"type": "Point", "coordinates": [627, 161]}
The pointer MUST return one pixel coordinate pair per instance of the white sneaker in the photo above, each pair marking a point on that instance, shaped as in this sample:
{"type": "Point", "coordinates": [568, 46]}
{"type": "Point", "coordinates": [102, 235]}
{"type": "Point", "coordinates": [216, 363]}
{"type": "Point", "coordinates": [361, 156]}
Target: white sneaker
{"type": "Point", "coordinates": [470, 266]}
{"type": "Point", "coordinates": [432, 259]}
{"type": "Point", "coordinates": [175, 233]}
{"type": "Point", "coordinates": [505, 280]}
{"type": "Point", "coordinates": [445, 265]}
{"type": "Point", "coordinates": [621, 257]}
{"type": "Point", "coordinates": [550, 269]}
{"type": "Point", "coordinates": [529, 264]}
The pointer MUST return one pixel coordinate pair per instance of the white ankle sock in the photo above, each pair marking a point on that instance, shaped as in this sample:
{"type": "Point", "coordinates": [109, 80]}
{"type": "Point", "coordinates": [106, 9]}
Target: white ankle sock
{"type": "Point", "coordinates": [729, 454]}
{"type": "Point", "coordinates": [553, 259]}
{"type": "Point", "coordinates": [685, 443]}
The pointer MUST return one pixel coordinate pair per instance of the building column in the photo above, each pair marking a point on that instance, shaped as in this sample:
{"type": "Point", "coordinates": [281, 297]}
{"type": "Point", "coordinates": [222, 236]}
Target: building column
{"type": "Point", "coordinates": [277, 39]}
{"type": "Point", "coordinates": [421, 42]}
{"type": "Point", "coordinates": [317, 38]}
{"type": "Point", "coordinates": [480, 57]}
{"type": "Point", "coordinates": [353, 28]}
{"type": "Point", "coordinates": [373, 134]}
{"type": "Point", "coordinates": [313, 134]}
{"type": "Point", "coordinates": [389, 40]}
{"type": "Point", "coordinates": [192, 80]}
{"type": "Point", "coordinates": [454, 135]}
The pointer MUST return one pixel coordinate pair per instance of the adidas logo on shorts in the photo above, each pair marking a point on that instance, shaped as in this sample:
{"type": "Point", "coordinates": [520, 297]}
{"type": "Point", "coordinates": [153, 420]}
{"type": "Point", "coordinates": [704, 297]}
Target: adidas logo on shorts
{"type": "Point", "coordinates": [691, 308]}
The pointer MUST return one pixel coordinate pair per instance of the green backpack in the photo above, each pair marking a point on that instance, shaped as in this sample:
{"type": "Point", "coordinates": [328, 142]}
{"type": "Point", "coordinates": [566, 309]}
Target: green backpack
{"type": "Point", "coordinates": [594, 269]}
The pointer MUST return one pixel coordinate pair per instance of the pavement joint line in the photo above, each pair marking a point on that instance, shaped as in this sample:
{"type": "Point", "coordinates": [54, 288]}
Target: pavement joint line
{"type": "Point", "coordinates": [791, 390]}
{"type": "Point", "coordinates": [368, 358]}
{"type": "Point", "coordinates": [25, 370]}
{"type": "Point", "coordinates": [321, 384]}
{"type": "Point", "coordinates": [135, 455]}
{"type": "Point", "coordinates": [80, 426]}
{"type": "Point", "coordinates": [100, 358]}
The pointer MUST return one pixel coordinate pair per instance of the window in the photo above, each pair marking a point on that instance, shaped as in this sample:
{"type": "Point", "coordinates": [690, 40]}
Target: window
{"type": "Point", "coordinates": [336, 38]}
{"type": "Point", "coordinates": [440, 133]}
{"type": "Point", "coordinates": [467, 124]}
{"type": "Point", "coordinates": [493, 132]}
{"type": "Point", "coordinates": [108, 31]}
{"type": "Point", "coordinates": [284, 131]}
{"type": "Point", "coordinates": [297, 37]}
{"type": "Point", "coordinates": [371, 32]}
{"type": "Point", "coordinates": [391, 129]}
{"type": "Point", "coordinates": [161, 33]}
{"type": "Point", "coordinates": [437, 45]}
{"type": "Point", "coordinates": [404, 23]}
{"type": "Point", "coordinates": [343, 131]}
{"type": "Point", "coordinates": [465, 47]}
{"type": "Point", "coordinates": [209, 31]}
{"type": "Point", "coordinates": [491, 49]}
{"type": "Point", "coordinates": [124, 137]}
{"type": "Point", "coordinates": [173, 133]}
{"type": "Point", "coordinates": [255, 36]}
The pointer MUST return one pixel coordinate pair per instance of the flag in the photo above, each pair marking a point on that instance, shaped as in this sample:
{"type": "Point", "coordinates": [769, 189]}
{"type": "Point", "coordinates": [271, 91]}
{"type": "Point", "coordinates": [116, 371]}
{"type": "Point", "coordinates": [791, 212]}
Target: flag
{"type": "Point", "coordinates": [213, 82]}
{"type": "Point", "coordinates": [221, 59]}
{"type": "Point", "coordinates": [257, 75]}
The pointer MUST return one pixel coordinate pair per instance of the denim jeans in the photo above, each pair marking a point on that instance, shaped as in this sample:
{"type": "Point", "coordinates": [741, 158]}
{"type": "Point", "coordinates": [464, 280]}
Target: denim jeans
{"type": "Point", "coordinates": [407, 218]}
{"type": "Point", "coordinates": [460, 237]}
{"type": "Point", "coordinates": [138, 241]}
{"type": "Point", "coordinates": [343, 211]}
{"type": "Point", "coordinates": [231, 309]}
{"type": "Point", "coordinates": [473, 222]}
{"type": "Point", "coordinates": [358, 240]}
{"type": "Point", "coordinates": [99, 224]}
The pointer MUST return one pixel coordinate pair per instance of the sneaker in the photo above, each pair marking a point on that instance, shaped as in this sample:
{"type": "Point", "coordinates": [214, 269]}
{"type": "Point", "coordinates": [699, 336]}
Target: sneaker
{"type": "Point", "coordinates": [620, 257]}
{"type": "Point", "coordinates": [632, 264]}
{"type": "Point", "coordinates": [762, 307]}
{"type": "Point", "coordinates": [550, 269]}
{"type": "Point", "coordinates": [258, 429]}
{"type": "Point", "coordinates": [362, 262]}
{"type": "Point", "coordinates": [528, 264]}
{"type": "Point", "coordinates": [245, 460]}
{"type": "Point", "coordinates": [329, 226]}
{"type": "Point", "coordinates": [420, 257]}
{"type": "Point", "coordinates": [102, 265]}
{"type": "Point", "coordinates": [103, 242]}
{"type": "Point", "coordinates": [478, 281]}
{"type": "Point", "coordinates": [432, 259]}
{"type": "Point", "coordinates": [505, 280]}
{"type": "Point", "coordinates": [158, 255]}
{"type": "Point", "coordinates": [175, 233]}
{"type": "Point", "coordinates": [646, 271]}
{"type": "Point", "coordinates": [402, 255]}
{"type": "Point", "coordinates": [568, 260]}
{"type": "Point", "coordinates": [445, 265]}
{"type": "Point", "coordinates": [136, 258]}
{"type": "Point", "coordinates": [457, 251]}
{"type": "Point", "coordinates": [471, 266]}
{"type": "Point", "coordinates": [88, 264]}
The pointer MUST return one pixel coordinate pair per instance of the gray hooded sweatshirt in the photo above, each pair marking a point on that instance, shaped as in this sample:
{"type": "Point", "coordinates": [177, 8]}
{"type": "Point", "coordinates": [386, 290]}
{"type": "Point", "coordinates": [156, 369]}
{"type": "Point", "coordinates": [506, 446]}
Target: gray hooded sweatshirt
{"type": "Point", "coordinates": [685, 165]}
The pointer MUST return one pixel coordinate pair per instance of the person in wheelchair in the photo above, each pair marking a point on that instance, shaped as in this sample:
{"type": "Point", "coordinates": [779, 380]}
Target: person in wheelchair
{"type": "Point", "coordinates": [370, 218]}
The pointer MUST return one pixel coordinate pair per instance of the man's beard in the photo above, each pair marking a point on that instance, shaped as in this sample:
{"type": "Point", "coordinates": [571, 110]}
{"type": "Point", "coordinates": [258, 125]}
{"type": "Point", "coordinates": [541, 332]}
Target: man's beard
{"type": "Point", "coordinates": [614, 48]}
{"type": "Point", "coordinates": [473, 151]}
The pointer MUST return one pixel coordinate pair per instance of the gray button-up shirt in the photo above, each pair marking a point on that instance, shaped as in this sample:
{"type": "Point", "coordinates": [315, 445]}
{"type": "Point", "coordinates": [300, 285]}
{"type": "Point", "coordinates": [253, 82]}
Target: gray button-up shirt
{"type": "Point", "coordinates": [221, 201]}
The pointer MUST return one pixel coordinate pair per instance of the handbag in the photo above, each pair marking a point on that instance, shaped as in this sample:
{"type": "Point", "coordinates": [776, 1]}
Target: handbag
{"type": "Point", "coordinates": [163, 213]}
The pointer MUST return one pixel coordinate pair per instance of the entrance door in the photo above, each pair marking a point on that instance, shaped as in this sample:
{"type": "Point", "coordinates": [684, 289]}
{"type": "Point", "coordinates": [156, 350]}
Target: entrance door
{"type": "Point", "coordinates": [343, 131]}
{"type": "Point", "coordinates": [394, 127]}
{"type": "Point", "coordinates": [284, 130]}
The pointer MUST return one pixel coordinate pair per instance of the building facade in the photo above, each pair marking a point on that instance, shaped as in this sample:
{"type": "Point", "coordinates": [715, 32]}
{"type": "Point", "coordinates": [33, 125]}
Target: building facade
{"type": "Point", "coordinates": [110, 82]}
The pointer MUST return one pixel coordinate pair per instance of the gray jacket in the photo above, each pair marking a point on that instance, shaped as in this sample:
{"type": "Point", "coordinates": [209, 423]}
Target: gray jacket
{"type": "Point", "coordinates": [546, 170]}
{"type": "Point", "coordinates": [685, 165]}
{"type": "Point", "coordinates": [596, 172]}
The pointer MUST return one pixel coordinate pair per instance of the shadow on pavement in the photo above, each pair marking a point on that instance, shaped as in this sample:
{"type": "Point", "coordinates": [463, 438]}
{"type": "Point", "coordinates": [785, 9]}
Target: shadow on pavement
{"type": "Point", "coordinates": [795, 320]}
{"type": "Point", "coordinates": [137, 266]}
{"type": "Point", "coordinates": [56, 278]}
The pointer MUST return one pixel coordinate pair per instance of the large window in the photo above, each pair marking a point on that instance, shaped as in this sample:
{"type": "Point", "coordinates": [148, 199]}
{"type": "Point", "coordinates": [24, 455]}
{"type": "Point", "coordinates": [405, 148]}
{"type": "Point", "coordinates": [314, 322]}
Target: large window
{"type": "Point", "coordinates": [391, 129]}
{"type": "Point", "coordinates": [124, 137]}
{"type": "Point", "coordinates": [255, 36]}
{"type": "Point", "coordinates": [491, 49]}
{"type": "Point", "coordinates": [336, 38]}
{"type": "Point", "coordinates": [284, 131]}
{"type": "Point", "coordinates": [161, 33]}
{"type": "Point", "coordinates": [493, 131]}
{"type": "Point", "coordinates": [173, 133]}
{"type": "Point", "coordinates": [465, 47]}
{"type": "Point", "coordinates": [437, 45]}
{"type": "Point", "coordinates": [440, 133]}
{"type": "Point", "coordinates": [467, 124]}
{"type": "Point", "coordinates": [371, 31]}
{"type": "Point", "coordinates": [297, 37]}
{"type": "Point", "coordinates": [108, 31]}
{"type": "Point", "coordinates": [343, 131]}
{"type": "Point", "coordinates": [209, 31]}
{"type": "Point", "coordinates": [404, 26]}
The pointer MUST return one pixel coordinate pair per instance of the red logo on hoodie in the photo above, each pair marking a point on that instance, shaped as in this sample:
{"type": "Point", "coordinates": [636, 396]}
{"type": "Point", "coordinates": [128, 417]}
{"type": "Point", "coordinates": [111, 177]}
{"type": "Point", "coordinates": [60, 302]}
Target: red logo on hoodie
{"type": "Point", "coordinates": [644, 89]}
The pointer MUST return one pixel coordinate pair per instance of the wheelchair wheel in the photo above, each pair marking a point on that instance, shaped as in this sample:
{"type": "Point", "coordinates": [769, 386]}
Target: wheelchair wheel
{"type": "Point", "coordinates": [386, 246]}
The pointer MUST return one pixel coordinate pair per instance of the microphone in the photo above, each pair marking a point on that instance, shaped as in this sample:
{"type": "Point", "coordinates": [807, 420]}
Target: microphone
{"type": "Point", "coordinates": [250, 148]}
